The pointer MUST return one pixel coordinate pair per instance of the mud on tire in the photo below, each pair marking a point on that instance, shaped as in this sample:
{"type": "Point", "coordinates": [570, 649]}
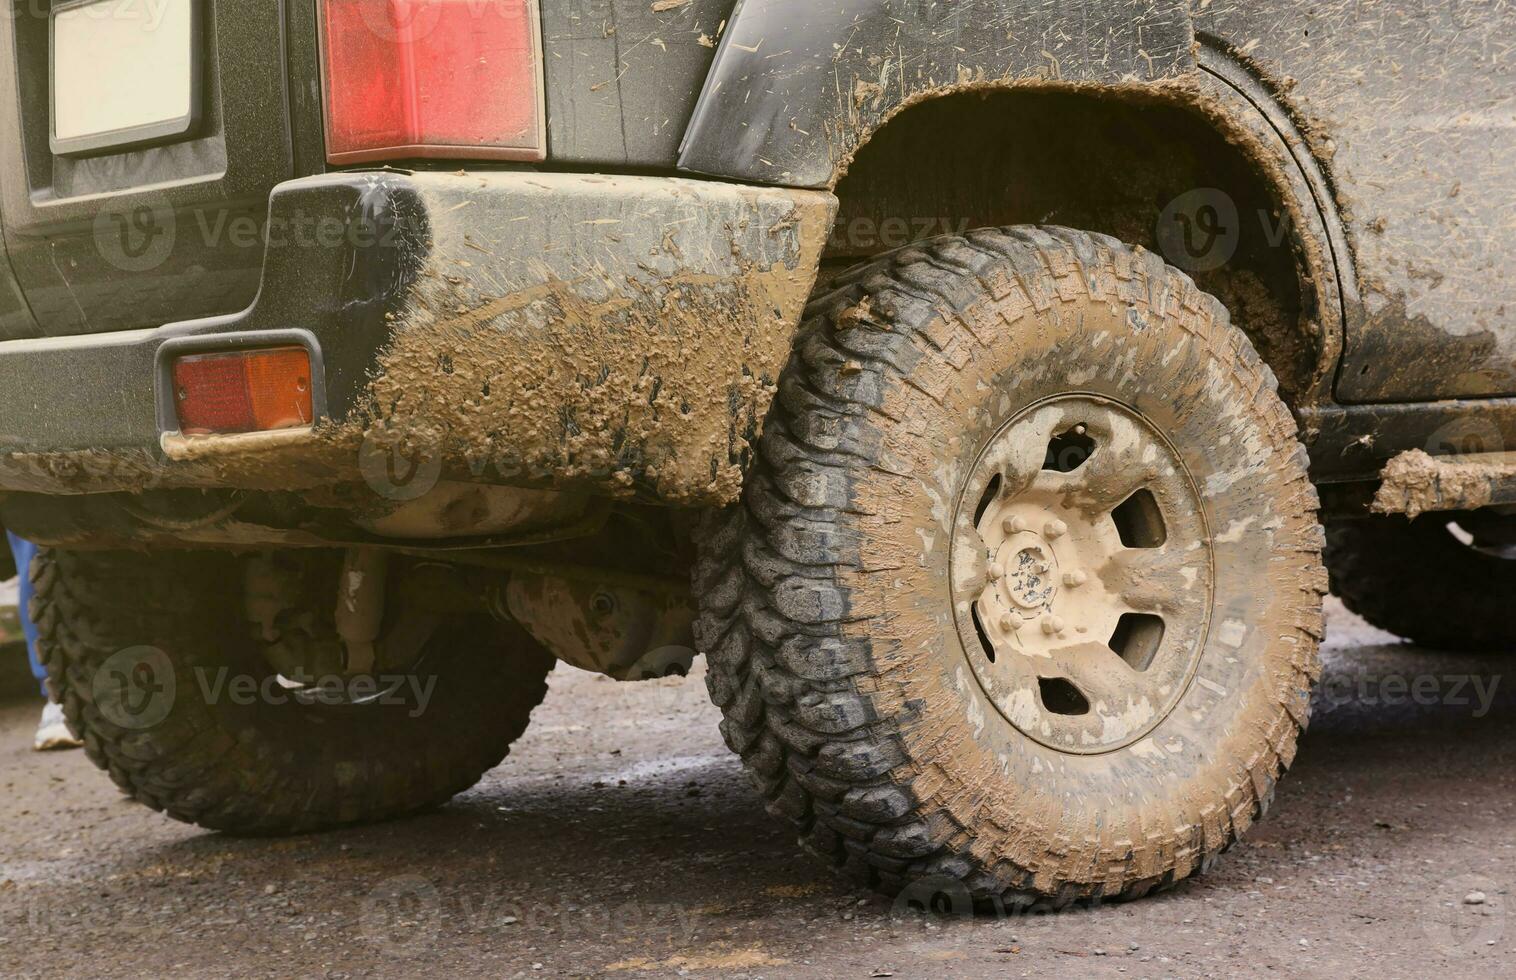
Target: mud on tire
{"type": "Point", "coordinates": [849, 681]}
{"type": "Point", "coordinates": [260, 767]}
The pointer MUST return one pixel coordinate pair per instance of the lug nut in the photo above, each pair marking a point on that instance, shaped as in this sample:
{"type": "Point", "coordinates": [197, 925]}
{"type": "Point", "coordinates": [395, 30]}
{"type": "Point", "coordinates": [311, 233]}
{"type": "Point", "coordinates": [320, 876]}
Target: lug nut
{"type": "Point", "coordinates": [1051, 625]}
{"type": "Point", "coordinates": [1011, 622]}
{"type": "Point", "coordinates": [1013, 525]}
{"type": "Point", "coordinates": [1055, 529]}
{"type": "Point", "coordinates": [1075, 579]}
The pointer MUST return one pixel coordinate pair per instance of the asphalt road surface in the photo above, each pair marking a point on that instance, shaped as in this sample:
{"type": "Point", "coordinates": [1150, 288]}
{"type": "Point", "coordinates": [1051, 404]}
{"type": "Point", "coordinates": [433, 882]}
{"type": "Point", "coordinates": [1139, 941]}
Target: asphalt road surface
{"type": "Point", "coordinates": [620, 839]}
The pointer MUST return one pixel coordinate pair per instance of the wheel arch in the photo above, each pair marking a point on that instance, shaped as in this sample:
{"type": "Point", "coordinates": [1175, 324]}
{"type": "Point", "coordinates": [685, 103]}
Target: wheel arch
{"type": "Point", "coordinates": [811, 127]}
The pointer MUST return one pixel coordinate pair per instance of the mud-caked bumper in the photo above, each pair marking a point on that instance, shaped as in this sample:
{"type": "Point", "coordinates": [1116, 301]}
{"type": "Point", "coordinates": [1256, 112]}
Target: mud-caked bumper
{"type": "Point", "coordinates": [621, 335]}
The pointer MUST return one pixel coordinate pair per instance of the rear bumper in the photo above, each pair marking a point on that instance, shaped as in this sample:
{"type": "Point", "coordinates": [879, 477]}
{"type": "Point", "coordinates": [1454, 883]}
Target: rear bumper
{"type": "Point", "coordinates": [620, 335]}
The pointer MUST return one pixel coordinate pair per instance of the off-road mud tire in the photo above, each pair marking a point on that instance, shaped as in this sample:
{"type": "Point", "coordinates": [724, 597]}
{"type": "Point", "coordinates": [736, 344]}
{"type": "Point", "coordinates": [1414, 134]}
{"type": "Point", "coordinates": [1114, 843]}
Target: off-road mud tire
{"type": "Point", "coordinates": [262, 768]}
{"type": "Point", "coordinates": [826, 614]}
{"type": "Point", "coordinates": [1413, 578]}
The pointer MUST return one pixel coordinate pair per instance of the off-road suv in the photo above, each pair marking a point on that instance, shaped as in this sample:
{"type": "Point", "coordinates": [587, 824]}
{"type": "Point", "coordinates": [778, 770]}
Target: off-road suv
{"type": "Point", "coordinates": [968, 381]}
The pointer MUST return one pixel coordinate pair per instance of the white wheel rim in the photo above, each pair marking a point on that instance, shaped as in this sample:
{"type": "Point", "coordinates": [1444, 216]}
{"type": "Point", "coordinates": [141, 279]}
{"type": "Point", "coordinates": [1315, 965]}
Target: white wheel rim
{"type": "Point", "coordinates": [1082, 574]}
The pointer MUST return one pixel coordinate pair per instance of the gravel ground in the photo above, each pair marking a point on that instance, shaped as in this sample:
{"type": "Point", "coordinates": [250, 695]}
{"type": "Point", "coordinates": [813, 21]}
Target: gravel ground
{"type": "Point", "coordinates": [620, 839]}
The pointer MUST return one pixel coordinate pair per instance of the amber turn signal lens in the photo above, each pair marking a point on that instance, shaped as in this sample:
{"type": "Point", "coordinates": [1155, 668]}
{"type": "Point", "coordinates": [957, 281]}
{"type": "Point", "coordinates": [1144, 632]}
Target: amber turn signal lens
{"type": "Point", "coordinates": [243, 391]}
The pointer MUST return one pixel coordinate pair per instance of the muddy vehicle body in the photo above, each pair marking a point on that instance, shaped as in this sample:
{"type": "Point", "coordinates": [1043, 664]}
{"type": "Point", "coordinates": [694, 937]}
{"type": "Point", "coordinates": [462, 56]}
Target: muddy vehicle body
{"type": "Point", "coordinates": [983, 388]}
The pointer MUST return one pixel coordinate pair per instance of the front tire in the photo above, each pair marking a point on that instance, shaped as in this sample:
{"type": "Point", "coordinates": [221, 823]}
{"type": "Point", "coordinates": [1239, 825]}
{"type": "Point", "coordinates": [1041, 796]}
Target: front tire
{"type": "Point", "coordinates": [996, 403]}
{"type": "Point", "coordinates": [161, 677]}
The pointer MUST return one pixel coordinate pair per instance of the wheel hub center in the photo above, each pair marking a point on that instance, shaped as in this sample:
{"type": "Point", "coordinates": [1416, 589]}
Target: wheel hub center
{"type": "Point", "coordinates": [1029, 572]}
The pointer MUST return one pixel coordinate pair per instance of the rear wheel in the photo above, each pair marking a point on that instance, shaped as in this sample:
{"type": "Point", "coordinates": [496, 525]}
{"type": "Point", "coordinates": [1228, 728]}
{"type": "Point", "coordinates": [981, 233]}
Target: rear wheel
{"type": "Point", "coordinates": [1024, 596]}
{"type": "Point", "coordinates": [176, 694]}
{"type": "Point", "coordinates": [1440, 580]}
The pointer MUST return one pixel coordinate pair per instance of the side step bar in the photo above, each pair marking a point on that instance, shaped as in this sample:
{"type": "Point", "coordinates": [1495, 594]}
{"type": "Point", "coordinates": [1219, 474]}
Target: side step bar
{"type": "Point", "coordinates": [1415, 482]}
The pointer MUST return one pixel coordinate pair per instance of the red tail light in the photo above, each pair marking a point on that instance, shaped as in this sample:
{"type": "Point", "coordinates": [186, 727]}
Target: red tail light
{"type": "Point", "coordinates": [243, 391]}
{"type": "Point", "coordinates": [460, 79]}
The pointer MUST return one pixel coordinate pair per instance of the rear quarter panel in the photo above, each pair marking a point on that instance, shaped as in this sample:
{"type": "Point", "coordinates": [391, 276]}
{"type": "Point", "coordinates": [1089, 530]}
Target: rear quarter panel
{"type": "Point", "coordinates": [1412, 109]}
{"type": "Point", "coordinates": [623, 75]}
{"type": "Point", "coordinates": [1409, 109]}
